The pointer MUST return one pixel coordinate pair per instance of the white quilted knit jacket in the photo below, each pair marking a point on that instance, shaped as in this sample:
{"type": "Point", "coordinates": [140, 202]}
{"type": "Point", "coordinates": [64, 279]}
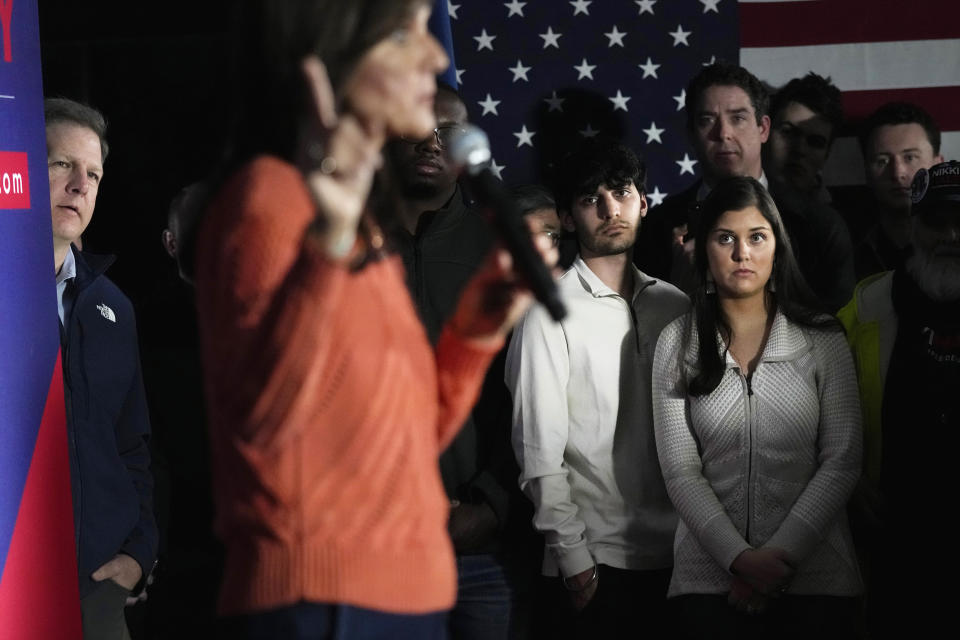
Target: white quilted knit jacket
{"type": "Point", "coordinates": [771, 463]}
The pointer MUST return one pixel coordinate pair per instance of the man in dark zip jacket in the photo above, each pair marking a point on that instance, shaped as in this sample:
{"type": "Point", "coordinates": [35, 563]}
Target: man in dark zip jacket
{"type": "Point", "coordinates": [107, 423]}
{"type": "Point", "coordinates": [443, 241]}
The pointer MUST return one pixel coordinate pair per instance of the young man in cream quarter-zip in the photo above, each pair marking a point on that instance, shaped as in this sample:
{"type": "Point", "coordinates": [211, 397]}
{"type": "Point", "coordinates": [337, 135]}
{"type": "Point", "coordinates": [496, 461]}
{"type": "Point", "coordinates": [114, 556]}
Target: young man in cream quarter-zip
{"type": "Point", "coordinates": [582, 422]}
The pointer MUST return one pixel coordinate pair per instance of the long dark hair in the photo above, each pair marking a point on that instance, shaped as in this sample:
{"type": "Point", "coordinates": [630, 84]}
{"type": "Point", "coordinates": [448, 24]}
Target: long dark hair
{"type": "Point", "coordinates": [274, 37]}
{"type": "Point", "coordinates": [790, 295]}
{"type": "Point", "coordinates": [269, 93]}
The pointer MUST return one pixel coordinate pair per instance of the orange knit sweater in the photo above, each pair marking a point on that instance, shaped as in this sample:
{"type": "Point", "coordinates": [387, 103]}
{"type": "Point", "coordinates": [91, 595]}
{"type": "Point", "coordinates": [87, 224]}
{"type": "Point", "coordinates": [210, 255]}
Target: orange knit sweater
{"type": "Point", "coordinates": [328, 410]}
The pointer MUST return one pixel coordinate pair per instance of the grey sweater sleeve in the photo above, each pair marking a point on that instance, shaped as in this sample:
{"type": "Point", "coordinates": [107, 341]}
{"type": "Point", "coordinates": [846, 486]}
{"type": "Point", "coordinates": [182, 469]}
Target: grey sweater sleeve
{"type": "Point", "coordinates": [690, 492]}
{"type": "Point", "coordinates": [840, 446]}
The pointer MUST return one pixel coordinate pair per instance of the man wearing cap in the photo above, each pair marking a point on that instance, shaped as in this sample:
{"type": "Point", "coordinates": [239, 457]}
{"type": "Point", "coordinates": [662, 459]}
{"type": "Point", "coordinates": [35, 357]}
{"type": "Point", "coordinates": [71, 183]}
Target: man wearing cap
{"type": "Point", "coordinates": [904, 327]}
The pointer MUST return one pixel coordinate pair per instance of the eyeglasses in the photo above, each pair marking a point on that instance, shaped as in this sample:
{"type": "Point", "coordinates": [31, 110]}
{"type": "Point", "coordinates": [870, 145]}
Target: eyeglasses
{"type": "Point", "coordinates": [553, 235]}
{"type": "Point", "coordinates": [443, 135]}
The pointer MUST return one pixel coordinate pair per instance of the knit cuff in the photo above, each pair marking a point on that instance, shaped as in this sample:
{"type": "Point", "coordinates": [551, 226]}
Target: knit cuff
{"type": "Point", "coordinates": [796, 537]}
{"type": "Point", "coordinates": [572, 560]}
{"type": "Point", "coordinates": [319, 258]}
{"type": "Point", "coordinates": [722, 541]}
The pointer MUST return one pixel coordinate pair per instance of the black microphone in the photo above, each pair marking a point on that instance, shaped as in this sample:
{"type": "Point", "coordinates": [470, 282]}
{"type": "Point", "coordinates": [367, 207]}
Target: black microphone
{"type": "Point", "coordinates": [470, 151]}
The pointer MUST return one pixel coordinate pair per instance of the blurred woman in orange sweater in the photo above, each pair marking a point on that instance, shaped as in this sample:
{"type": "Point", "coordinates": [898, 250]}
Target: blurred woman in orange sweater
{"type": "Point", "coordinates": [328, 407]}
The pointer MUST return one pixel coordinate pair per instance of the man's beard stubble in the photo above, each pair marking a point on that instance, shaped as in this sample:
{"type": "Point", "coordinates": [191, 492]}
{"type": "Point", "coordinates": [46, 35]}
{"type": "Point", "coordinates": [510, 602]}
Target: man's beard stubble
{"type": "Point", "coordinates": [938, 276]}
{"type": "Point", "coordinates": [603, 246]}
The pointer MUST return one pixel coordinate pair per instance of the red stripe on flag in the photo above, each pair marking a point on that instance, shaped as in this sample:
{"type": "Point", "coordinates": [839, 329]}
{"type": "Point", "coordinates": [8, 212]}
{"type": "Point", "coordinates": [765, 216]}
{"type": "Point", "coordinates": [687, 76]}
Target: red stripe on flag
{"type": "Point", "coordinates": [796, 24]}
{"type": "Point", "coordinates": [940, 102]}
{"type": "Point", "coordinates": [39, 593]}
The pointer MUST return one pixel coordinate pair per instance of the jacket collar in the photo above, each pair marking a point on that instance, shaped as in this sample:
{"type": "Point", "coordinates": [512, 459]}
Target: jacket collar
{"type": "Point", "coordinates": [446, 217]}
{"type": "Point", "coordinates": [89, 267]}
{"type": "Point", "coordinates": [873, 297]}
{"type": "Point", "coordinates": [596, 287]}
{"type": "Point", "coordinates": [787, 341]}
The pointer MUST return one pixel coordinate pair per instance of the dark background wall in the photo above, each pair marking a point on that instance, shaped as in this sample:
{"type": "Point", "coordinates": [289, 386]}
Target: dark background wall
{"type": "Point", "coordinates": [158, 71]}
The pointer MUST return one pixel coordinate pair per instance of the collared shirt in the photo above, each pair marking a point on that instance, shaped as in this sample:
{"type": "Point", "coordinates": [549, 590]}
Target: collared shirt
{"type": "Point", "coordinates": [583, 425]}
{"type": "Point", "coordinates": [68, 271]}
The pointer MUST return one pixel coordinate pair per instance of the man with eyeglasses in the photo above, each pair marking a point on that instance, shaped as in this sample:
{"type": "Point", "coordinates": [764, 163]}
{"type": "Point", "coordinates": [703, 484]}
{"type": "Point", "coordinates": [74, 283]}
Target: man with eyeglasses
{"type": "Point", "coordinates": [536, 204]}
{"type": "Point", "coordinates": [442, 242]}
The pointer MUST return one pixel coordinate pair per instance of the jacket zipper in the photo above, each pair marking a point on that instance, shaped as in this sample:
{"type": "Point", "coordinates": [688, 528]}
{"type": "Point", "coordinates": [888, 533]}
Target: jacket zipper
{"type": "Point", "coordinates": [748, 387]}
{"type": "Point", "coordinates": [419, 285]}
{"type": "Point", "coordinates": [633, 322]}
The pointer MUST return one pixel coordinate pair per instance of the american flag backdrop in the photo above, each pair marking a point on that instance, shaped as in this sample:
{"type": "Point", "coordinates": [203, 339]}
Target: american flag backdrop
{"type": "Point", "coordinates": [538, 74]}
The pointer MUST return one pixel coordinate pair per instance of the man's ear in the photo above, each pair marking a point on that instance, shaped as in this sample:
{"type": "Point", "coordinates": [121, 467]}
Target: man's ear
{"type": "Point", "coordinates": [764, 128]}
{"type": "Point", "coordinates": [566, 218]}
{"type": "Point", "coordinates": [644, 205]}
{"type": "Point", "coordinates": [169, 242]}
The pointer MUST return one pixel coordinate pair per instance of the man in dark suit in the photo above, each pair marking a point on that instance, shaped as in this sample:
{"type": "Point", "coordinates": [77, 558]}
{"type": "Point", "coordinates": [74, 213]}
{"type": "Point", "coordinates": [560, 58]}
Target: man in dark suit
{"type": "Point", "coordinates": [728, 122]}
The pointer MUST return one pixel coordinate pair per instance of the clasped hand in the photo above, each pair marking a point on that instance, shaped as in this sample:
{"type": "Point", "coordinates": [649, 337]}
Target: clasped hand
{"type": "Point", "coordinates": [759, 574]}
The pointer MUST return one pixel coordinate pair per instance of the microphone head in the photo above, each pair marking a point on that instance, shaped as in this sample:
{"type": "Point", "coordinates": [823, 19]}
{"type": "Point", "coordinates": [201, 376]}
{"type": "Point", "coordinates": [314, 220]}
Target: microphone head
{"type": "Point", "coordinates": [470, 149]}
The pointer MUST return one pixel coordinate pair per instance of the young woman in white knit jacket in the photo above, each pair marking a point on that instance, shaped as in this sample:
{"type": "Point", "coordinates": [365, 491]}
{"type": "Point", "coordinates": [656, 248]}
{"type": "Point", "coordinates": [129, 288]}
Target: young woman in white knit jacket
{"type": "Point", "coordinates": [757, 423]}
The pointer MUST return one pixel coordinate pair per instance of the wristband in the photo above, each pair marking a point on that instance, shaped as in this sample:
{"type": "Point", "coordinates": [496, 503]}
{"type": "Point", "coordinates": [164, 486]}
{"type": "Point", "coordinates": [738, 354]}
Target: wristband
{"type": "Point", "coordinates": [344, 242]}
{"type": "Point", "coordinates": [593, 578]}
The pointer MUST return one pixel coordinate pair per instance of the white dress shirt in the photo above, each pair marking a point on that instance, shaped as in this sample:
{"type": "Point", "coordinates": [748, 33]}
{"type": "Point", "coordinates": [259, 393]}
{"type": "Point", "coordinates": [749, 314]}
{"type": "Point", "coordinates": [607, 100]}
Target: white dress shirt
{"type": "Point", "coordinates": [68, 271]}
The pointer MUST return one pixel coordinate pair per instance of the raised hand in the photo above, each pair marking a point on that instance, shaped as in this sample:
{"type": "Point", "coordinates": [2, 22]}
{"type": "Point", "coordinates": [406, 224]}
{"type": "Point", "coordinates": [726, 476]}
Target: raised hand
{"type": "Point", "coordinates": [338, 157]}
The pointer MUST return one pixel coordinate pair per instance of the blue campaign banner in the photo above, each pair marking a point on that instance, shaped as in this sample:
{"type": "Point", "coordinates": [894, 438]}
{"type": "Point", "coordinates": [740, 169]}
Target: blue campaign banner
{"type": "Point", "coordinates": [37, 554]}
{"type": "Point", "coordinates": [28, 323]}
